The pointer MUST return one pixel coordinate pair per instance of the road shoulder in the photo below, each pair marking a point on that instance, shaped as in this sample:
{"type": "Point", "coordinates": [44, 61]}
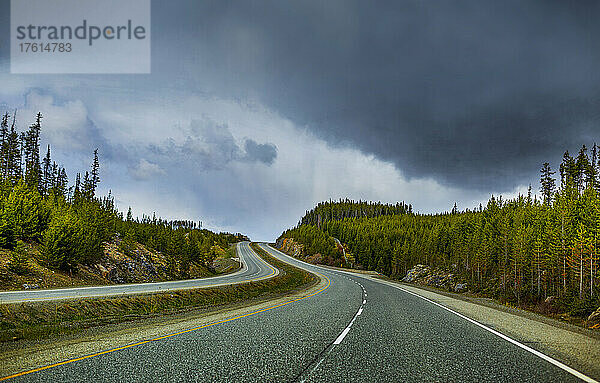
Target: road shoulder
{"type": "Point", "coordinates": [34, 354]}
{"type": "Point", "coordinates": [573, 347]}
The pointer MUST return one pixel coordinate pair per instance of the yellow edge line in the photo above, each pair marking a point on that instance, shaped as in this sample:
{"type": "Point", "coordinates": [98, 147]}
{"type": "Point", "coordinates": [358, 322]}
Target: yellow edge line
{"type": "Point", "coordinates": [167, 336]}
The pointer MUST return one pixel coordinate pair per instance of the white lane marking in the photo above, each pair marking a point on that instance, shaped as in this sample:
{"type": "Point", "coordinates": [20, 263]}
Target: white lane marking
{"type": "Point", "coordinates": [307, 374]}
{"type": "Point", "coordinates": [524, 347]}
{"type": "Point", "coordinates": [341, 337]}
{"type": "Point", "coordinates": [335, 343]}
{"type": "Point", "coordinates": [343, 334]}
{"type": "Point", "coordinates": [529, 349]}
{"type": "Point", "coordinates": [499, 334]}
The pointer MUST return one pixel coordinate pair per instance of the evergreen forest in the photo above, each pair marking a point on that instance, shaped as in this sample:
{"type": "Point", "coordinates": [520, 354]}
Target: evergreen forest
{"type": "Point", "coordinates": [521, 250]}
{"type": "Point", "coordinates": [69, 222]}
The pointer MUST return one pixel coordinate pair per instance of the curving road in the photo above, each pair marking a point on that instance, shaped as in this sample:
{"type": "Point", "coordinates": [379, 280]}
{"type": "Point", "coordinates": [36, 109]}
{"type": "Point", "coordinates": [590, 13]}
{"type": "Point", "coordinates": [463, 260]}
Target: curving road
{"type": "Point", "coordinates": [353, 329]}
{"type": "Point", "coordinates": [253, 269]}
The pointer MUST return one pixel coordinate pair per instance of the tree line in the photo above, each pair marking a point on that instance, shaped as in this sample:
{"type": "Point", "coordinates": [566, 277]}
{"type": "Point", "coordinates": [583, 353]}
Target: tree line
{"type": "Point", "coordinates": [521, 250]}
{"type": "Point", "coordinates": [333, 211]}
{"type": "Point", "coordinates": [69, 222]}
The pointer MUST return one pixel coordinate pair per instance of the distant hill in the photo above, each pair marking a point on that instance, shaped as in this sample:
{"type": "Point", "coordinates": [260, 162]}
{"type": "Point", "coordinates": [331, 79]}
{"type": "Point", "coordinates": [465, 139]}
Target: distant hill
{"type": "Point", "coordinates": [334, 211]}
{"type": "Point", "coordinates": [527, 251]}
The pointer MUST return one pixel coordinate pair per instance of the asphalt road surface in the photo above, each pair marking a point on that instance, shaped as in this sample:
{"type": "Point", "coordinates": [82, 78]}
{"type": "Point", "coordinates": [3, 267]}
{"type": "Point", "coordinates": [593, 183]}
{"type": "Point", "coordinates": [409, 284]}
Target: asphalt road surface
{"type": "Point", "coordinates": [253, 268]}
{"type": "Point", "coordinates": [353, 330]}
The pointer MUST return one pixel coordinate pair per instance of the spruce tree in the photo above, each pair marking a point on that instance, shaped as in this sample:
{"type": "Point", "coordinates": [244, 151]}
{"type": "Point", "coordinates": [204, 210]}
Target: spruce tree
{"type": "Point", "coordinates": [53, 176]}
{"type": "Point", "coordinates": [547, 183]}
{"type": "Point", "coordinates": [582, 165]}
{"type": "Point", "coordinates": [26, 212]}
{"type": "Point", "coordinates": [46, 173]}
{"type": "Point", "coordinates": [3, 146]}
{"type": "Point", "coordinates": [591, 172]}
{"type": "Point", "coordinates": [12, 171]}
{"type": "Point", "coordinates": [7, 231]}
{"type": "Point", "coordinates": [77, 189]}
{"type": "Point", "coordinates": [88, 191]}
{"type": "Point", "coordinates": [61, 182]}
{"type": "Point", "coordinates": [95, 176]}
{"type": "Point", "coordinates": [31, 149]}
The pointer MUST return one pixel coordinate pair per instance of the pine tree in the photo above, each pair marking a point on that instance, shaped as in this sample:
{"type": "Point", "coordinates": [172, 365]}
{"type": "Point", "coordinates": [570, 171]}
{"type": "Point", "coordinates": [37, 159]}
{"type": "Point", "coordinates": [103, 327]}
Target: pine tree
{"type": "Point", "coordinates": [19, 263]}
{"type": "Point", "coordinates": [61, 182]}
{"type": "Point", "coordinates": [77, 188]}
{"type": "Point", "coordinates": [591, 173]}
{"type": "Point", "coordinates": [12, 170]}
{"type": "Point", "coordinates": [7, 234]}
{"type": "Point", "coordinates": [3, 146]}
{"type": "Point", "coordinates": [582, 165]}
{"type": "Point", "coordinates": [53, 176]}
{"type": "Point", "coordinates": [47, 182]}
{"type": "Point", "coordinates": [95, 176]}
{"type": "Point", "coordinates": [568, 171]}
{"type": "Point", "coordinates": [62, 241]}
{"type": "Point", "coordinates": [87, 186]}
{"type": "Point", "coordinates": [547, 183]}
{"type": "Point", "coordinates": [31, 149]}
{"type": "Point", "coordinates": [25, 211]}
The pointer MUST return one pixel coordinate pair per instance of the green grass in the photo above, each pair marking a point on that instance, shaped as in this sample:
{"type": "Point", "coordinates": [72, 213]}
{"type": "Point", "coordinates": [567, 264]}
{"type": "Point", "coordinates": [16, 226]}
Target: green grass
{"type": "Point", "coordinates": [41, 320]}
{"type": "Point", "coordinates": [231, 251]}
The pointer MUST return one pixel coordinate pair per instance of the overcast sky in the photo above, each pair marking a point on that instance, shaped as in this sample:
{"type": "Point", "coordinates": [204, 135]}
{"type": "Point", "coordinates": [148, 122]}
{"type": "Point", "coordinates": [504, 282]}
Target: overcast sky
{"type": "Point", "coordinates": [257, 110]}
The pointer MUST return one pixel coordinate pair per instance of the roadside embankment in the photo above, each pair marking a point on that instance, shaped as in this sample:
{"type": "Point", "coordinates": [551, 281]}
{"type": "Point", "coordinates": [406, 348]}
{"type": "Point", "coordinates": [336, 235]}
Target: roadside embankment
{"type": "Point", "coordinates": [39, 320]}
{"type": "Point", "coordinates": [134, 263]}
{"type": "Point", "coordinates": [28, 355]}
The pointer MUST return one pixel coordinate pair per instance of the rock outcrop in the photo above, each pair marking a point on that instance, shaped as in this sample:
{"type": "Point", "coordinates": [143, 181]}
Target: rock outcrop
{"type": "Point", "coordinates": [291, 247]}
{"type": "Point", "coordinates": [296, 250]}
{"type": "Point", "coordinates": [138, 264]}
{"type": "Point", "coordinates": [425, 275]}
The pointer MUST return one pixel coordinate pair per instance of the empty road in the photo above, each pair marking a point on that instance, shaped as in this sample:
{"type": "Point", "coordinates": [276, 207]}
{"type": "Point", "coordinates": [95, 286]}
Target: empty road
{"type": "Point", "coordinates": [253, 269]}
{"type": "Point", "coordinates": [352, 329]}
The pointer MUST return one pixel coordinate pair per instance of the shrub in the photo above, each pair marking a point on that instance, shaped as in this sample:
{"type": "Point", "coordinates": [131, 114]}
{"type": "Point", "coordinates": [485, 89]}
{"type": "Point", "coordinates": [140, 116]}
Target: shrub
{"type": "Point", "coordinates": [19, 262]}
{"type": "Point", "coordinates": [62, 242]}
{"type": "Point", "coordinates": [25, 212]}
{"type": "Point", "coordinates": [7, 235]}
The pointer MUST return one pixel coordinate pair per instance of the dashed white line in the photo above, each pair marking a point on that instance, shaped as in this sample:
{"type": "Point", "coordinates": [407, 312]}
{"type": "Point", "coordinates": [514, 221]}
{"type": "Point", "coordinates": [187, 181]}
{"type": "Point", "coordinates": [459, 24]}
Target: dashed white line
{"type": "Point", "coordinates": [341, 337]}
{"type": "Point", "coordinates": [337, 341]}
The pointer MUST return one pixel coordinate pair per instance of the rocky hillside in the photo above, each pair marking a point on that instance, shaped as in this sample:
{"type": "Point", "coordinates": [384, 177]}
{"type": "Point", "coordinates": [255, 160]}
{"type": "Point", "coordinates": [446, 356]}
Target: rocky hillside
{"type": "Point", "coordinates": [290, 247]}
{"type": "Point", "coordinates": [138, 264]}
{"type": "Point", "coordinates": [426, 276]}
{"type": "Point", "coordinates": [297, 250]}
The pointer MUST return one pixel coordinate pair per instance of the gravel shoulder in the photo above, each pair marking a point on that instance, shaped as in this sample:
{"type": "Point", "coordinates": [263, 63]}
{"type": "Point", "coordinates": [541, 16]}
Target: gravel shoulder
{"type": "Point", "coordinates": [576, 347]}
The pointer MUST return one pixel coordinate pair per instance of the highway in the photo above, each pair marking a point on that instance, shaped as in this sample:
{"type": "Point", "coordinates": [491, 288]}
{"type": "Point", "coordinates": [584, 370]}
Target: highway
{"type": "Point", "coordinates": [253, 269]}
{"type": "Point", "coordinates": [353, 329]}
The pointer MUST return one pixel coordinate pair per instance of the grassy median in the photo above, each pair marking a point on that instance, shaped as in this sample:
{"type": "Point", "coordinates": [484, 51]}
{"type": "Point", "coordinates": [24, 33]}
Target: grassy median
{"type": "Point", "coordinates": [39, 320]}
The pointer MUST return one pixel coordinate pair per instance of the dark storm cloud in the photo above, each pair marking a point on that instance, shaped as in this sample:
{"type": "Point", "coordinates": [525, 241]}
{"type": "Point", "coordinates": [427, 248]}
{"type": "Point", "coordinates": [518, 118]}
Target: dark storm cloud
{"type": "Point", "coordinates": [265, 153]}
{"type": "Point", "coordinates": [473, 93]}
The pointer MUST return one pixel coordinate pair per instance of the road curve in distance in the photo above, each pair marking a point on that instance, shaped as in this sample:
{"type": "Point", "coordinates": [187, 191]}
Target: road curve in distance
{"type": "Point", "coordinates": [352, 329]}
{"type": "Point", "coordinates": [253, 269]}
